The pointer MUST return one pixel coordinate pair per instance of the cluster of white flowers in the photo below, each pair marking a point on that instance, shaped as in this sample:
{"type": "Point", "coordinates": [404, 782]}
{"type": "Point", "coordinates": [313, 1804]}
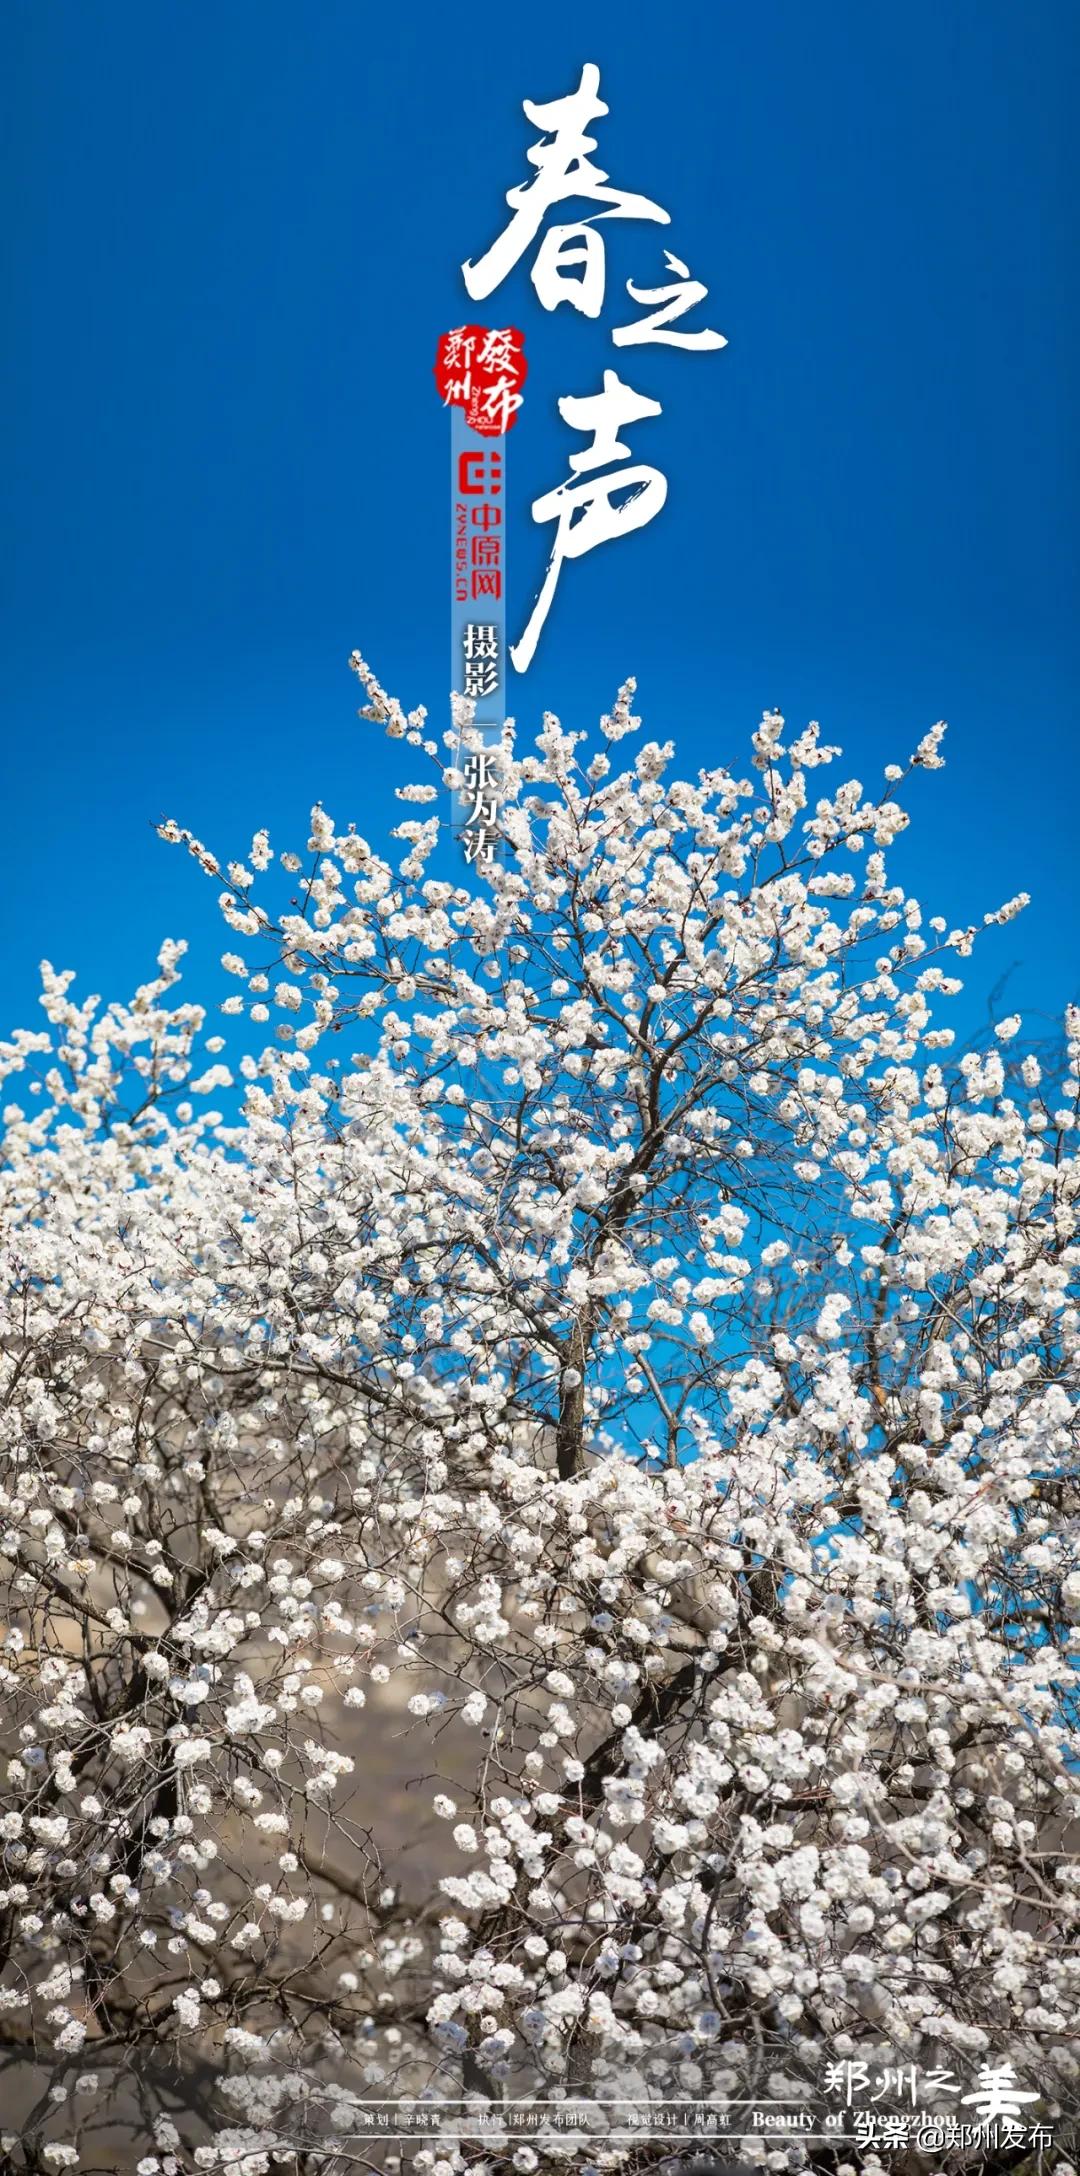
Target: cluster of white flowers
{"type": "Point", "coordinates": [605, 1325]}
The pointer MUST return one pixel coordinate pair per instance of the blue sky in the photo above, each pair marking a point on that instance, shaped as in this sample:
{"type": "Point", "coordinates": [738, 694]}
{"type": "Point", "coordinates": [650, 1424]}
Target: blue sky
{"type": "Point", "coordinates": [233, 236]}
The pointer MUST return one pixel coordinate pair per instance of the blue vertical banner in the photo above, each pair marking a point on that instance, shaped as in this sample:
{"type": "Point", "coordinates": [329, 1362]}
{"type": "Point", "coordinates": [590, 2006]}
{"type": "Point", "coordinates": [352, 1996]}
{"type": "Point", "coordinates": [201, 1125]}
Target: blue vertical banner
{"type": "Point", "coordinates": [478, 651]}
{"type": "Point", "coordinates": [479, 371]}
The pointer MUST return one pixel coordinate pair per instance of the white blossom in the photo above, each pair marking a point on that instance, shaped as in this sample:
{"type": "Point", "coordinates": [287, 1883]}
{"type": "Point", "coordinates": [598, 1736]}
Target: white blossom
{"type": "Point", "coordinates": [604, 1348]}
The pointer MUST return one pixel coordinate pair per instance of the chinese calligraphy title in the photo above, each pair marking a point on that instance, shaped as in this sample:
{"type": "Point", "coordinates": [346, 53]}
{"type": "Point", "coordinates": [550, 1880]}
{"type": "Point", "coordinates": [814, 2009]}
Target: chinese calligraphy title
{"type": "Point", "coordinates": [569, 266]}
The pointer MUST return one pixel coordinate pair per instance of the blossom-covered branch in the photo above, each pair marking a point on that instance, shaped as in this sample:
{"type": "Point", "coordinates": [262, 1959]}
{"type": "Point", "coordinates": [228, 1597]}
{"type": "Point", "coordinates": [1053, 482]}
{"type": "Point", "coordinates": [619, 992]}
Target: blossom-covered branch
{"type": "Point", "coordinates": [610, 1366]}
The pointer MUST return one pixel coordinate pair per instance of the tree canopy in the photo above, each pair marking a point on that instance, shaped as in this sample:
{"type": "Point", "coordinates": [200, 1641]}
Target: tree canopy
{"type": "Point", "coordinates": [609, 1330]}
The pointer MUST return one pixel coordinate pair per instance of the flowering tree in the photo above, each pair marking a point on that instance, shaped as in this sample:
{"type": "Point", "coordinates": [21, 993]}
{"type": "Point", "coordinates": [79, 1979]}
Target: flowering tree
{"type": "Point", "coordinates": [615, 1340]}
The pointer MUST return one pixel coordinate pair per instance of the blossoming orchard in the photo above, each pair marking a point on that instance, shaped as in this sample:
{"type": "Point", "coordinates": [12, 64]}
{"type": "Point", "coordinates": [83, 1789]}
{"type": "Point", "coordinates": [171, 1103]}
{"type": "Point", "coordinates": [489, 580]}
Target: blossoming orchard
{"type": "Point", "coordinates": [539, 1537]}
